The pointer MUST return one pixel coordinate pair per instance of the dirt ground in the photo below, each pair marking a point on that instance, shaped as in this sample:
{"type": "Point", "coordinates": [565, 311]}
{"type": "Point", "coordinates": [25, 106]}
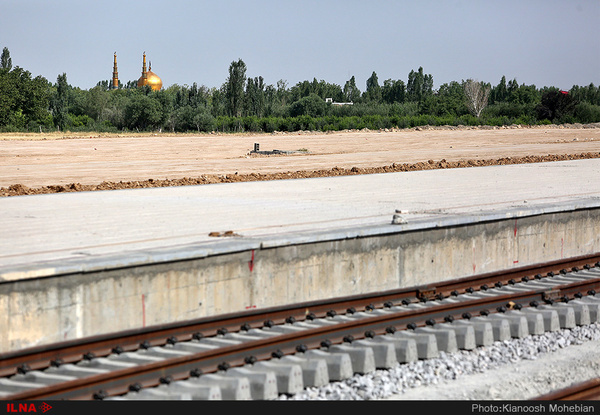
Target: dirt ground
{"type": "Point", "coordinates": [50, 163]}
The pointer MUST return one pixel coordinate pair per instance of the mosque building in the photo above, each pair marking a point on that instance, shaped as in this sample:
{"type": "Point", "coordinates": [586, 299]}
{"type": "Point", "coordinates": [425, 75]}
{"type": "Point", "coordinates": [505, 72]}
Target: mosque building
{"type": "Point", "coordinates": [148, 77]}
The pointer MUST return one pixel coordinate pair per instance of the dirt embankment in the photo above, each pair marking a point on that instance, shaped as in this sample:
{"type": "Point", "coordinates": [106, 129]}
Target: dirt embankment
{"type": "Point", "coordinates": [19, 190]}
{"type": "Point", "coordinates": [70, 163]}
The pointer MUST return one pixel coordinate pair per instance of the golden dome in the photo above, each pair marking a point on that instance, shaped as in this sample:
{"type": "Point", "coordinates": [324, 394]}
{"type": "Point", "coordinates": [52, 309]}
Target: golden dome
{"type": "Point", "coordinates": [153, 80]}
{"type": "Point", "coordinates": [149, 78]}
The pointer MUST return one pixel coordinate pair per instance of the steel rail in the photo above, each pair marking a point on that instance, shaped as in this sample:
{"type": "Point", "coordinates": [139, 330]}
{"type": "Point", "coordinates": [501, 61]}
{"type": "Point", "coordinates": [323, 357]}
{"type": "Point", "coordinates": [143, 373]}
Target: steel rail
{"type": "Point", "coordinates": [584, 391]}
{"type": "Point", "coordinates": [72, 351]}
{"type": "Point", "coordinates": [118, 382]}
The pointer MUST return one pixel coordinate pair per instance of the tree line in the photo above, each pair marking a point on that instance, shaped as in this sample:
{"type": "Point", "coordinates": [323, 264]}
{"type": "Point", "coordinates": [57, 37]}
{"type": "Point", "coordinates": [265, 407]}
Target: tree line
{"type": "Point", "coordinates": [245, 103]}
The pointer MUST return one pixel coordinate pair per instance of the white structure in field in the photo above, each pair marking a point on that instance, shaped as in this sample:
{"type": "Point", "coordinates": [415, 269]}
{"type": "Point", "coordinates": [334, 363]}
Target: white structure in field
{"type": "Point", "coordinates": [330, 101]}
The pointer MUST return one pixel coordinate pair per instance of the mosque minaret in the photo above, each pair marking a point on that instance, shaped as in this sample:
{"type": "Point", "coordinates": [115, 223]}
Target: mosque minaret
{"type": "Point", "coordinates": [148, 77]}
{"type": "Point", "coordinates": [115, 77]}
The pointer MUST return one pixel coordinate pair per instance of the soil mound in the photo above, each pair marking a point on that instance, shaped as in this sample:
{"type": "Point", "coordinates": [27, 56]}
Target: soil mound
{"type": "Point", "coordinates": [20, 190]}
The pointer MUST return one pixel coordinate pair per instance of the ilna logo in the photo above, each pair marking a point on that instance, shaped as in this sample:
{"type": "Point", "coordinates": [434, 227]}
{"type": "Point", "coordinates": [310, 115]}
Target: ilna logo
{"type": "Point", "coordinates": [27, 407]}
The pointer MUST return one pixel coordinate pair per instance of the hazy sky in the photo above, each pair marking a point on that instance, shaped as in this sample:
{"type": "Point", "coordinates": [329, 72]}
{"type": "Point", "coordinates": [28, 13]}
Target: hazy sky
{"type": "Point", "coordinates": [541, 42]}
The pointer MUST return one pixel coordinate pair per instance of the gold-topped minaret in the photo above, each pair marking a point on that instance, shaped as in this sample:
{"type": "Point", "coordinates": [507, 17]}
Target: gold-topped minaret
{"type": "Point", "coordinates": [149, 78]}
{"type": "Point", "coordinates": [115, 77]}
{"type": "Point", "coordinates": [144, 78]}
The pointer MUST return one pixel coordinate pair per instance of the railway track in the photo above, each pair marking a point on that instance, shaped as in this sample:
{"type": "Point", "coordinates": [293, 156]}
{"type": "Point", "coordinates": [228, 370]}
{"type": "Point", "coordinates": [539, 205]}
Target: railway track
{"type": "Point", "coordinates": [264, 353]}
{"type": "Point", "coordinates": [583, 391]}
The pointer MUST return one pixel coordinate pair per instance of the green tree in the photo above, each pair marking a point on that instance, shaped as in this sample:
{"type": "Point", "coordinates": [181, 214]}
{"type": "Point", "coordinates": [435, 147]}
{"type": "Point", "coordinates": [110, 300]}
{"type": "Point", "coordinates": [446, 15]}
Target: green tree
{"type": "Point", "coordinates": [393, 91]}
{"type": "Point", "coordinates": [419, 85]}
{"type": "Point", "coordinates": [555, 105]}
{"type": "Point", "coordinates": [234, 88]}
{"type": "Point", "coordinates": [449, 101]}
{"type": "Point", "coordinates": [5, 60]}
{"type": "Point", "coordinates": [590, 93]}
{"type": "Point", "coordinates": [204, 121]}
{"type": "Point", "coordinates": [9, 102]}
{"type": "Point", "coordinates": [218, 102]}
{"type": "Point", "coordinates": [428, 85]}
{"type": "Point", "coordinates": [35, 106]}
{"type": "Point", "coordinates": [167, 101]}
{"type": "Point", "coordinates": [143, 112]}
{"type": "Point", "coordinates": [511, 90]}
{"type": "Point", "coordinates": [115, 109]}
{"type": "Point", "coordinates": [500, 92]}
{"type": "Point", "coordinates": [321, 88]}
{"type": "Point", "coordinates": [60, 104]}
{"type": "Point", "coordinates": [23, 100]}
{"type": "Point", "coordinates": [525, 94]}
{"type": "Point", "coordinates": [184, 119]}
{"type": "Point", "coordinates": [311, 105]}
{"type": "Point", "coordinates": [373, 91]}
{"type": "Point", "coordinates": [199, 95]}
{"type": "Point", "coordinates": [131, 84]}
{"type": "Point", "coordinates": [328, 90]}
{"type": "Point", "coordinates": [96, 102]}
{"type": "Point", "coordinates": [283, 93]}
{"type": "Point", "coordinates": [255, 97]}
{"type": "Point", "coordinates": [105, 84]}
{"type": "Point", "coordinates": [587, 113]}
{"type": "Point", "coordinates": [351, 91]}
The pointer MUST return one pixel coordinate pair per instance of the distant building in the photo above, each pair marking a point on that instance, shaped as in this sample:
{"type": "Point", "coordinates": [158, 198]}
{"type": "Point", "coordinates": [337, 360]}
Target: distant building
{"type": "Point", "coordinates": [330, 101]}
{"type": "Point", "coordinates": [148, 77]}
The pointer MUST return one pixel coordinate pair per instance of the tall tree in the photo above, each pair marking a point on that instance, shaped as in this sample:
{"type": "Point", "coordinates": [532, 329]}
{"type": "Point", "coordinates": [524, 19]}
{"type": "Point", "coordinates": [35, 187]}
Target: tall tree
{"type": "Point", "coordinates": [414, 85]}
{"type": "Point", "coordinates": [373, 91]}
{"type": "Point", "coordinates": [419, 85]}
{"type": "Point", "coordinates": [511, 90]}
{"type": "Point", "coordinates": [500, 92]}
{"type": "Point", "coordinates": [60, 104]}
{"type": "Point", "coordinates": [255, 97]}
{"type": "Point", "coordinates": [282, 92]}
{"type": "Point", "coordinates": [351, 91]}
{"type": "Point", "coordinates": [37, 93]}
{"type": "Point", "coordinates": [96, 102]}
{"type": "Point", "coordinates": [234, 88]}
{"type": "Point", "coordinates": [590, 93]}
{"type": "Point", "coordinates": [450, 99]}
{"type": "Point", "coordinates": [427, 85]}
{"type": "Point", "coordinates": [476, 94]}
{"type": "Point", "coordinates": [5, 60]}
{"type": "Point", "coordinates": [393, 91]}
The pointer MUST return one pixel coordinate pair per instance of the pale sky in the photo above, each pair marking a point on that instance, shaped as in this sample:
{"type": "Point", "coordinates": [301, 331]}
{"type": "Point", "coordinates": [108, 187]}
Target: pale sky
{"type": "Point", "coordinates": [541, 42]}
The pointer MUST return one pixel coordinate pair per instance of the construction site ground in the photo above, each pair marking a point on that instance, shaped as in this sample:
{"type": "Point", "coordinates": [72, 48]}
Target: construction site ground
{"type": "Point", "coordinates": [37, 163]}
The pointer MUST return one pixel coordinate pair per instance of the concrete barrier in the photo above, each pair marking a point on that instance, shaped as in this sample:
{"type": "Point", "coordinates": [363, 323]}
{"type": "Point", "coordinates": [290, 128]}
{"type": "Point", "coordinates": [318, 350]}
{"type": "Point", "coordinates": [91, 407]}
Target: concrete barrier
{"type": "Point", "coordinates": [52, 302]}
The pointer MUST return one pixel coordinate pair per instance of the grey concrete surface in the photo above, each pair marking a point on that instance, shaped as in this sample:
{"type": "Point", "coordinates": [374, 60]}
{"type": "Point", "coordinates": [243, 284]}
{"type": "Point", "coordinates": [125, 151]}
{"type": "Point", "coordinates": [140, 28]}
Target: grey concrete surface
{"type": "Point", "coordinates": [132, 226]}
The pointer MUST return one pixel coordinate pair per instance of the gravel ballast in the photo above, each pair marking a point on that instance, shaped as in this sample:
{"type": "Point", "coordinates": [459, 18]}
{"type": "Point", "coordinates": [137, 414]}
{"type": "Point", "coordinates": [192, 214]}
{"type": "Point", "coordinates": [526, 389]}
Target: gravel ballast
{"type": "Point", "coordinates": [516, 369]}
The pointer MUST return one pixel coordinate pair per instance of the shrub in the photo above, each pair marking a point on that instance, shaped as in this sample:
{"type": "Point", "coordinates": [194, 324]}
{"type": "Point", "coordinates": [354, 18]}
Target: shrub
{"type": "Point", "coordinates": [310, 106]}
{"type": "Point", "coordinates": [587, 113]}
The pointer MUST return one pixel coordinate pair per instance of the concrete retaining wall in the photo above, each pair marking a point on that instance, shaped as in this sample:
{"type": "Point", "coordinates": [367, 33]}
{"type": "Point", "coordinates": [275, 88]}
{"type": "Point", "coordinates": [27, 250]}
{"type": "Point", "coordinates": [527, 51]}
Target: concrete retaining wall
{"type": "Point", "coordinates": [63, 306]}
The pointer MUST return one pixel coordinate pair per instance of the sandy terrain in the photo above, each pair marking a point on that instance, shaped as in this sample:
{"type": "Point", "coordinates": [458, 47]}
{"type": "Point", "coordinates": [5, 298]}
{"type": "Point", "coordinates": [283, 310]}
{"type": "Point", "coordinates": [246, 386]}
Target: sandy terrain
{"type": "Point", "coordinates": [46, 163]}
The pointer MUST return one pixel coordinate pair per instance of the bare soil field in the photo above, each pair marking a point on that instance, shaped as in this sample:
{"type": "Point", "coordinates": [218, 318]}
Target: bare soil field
{"type": "Point", "coordinates": [58, 162]}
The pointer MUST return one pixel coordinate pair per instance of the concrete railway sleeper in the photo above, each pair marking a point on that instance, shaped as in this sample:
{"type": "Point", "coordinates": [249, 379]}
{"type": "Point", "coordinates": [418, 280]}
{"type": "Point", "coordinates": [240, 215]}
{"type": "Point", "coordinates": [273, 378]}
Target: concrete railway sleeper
{"type": "Point", "coordinates": [261, 363]}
